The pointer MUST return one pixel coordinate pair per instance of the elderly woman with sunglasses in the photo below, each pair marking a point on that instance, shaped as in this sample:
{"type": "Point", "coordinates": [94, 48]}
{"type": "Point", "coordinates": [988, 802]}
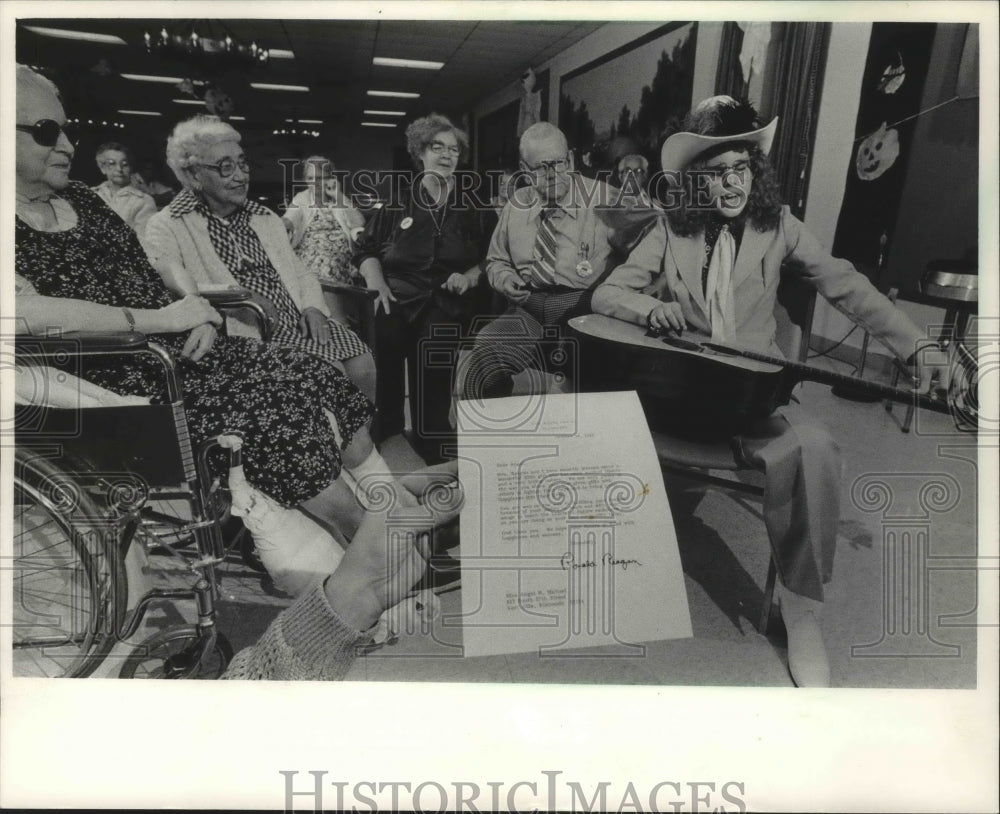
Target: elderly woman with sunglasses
{"type": "Point", "coordinates": [212, 234]}
{"type": "Point", "coordinates": [423, 252]}
{"type": "Point", "coordinates": [78, 266]}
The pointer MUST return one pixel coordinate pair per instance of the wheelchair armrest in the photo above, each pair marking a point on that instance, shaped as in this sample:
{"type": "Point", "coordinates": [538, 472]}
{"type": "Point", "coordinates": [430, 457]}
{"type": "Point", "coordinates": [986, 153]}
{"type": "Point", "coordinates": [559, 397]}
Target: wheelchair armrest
{"type": "Point", "coordinates": [235, 298]}
{"type": "Point", "coordinates": [79, 342]}
{"type": "Point", "coordinates": [349, 290]}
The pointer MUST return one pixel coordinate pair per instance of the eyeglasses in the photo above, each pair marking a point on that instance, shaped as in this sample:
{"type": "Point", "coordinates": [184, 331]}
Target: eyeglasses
{"type": "Point", "coordinates": [227, 166]}
{"type": "Point", "coordinates": [542, 168]}
{"type": "Point", "coordinates": [46, 132]}
{"type": "Point", "coordinates": [719, 171]}
{"type": "Point", "coordinates": [439, 147]}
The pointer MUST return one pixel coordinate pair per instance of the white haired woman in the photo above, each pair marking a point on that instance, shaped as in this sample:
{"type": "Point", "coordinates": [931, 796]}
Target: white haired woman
{"type": "Point", "coordinates": [212, 234]}
{"type": "Point", "coordinates": [78, 266]}
{"type": "Point", "coordinates": [322, 225]}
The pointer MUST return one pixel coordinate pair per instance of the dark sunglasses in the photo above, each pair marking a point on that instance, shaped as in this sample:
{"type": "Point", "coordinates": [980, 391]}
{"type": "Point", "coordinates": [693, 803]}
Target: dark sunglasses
{"type": "Point", "coordinates": [46, 132]}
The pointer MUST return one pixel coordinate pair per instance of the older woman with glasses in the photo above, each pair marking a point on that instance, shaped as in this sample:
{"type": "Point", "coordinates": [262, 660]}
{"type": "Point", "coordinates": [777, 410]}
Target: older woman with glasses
{"type": "Point", "coordinates": [422, 252]}
{"type": "Point", "coordinates": [322, 225]}
{"type": "Point", "coordinates": [212, 234]}
{"type": "Point", "coordinates": [78, 266]}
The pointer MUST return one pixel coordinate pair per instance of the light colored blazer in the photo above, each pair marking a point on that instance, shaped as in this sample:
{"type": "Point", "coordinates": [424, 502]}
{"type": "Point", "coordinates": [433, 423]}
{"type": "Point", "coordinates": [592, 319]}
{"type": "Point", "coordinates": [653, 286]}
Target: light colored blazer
{"type": "Point", "coordinates": [302, 211]}
{"type": "Point", "coordinates": [183, 239]}
{"type": "Point", "coordinates": [666, 266]}
{"type": "Point", "coordinates": [133, 205]}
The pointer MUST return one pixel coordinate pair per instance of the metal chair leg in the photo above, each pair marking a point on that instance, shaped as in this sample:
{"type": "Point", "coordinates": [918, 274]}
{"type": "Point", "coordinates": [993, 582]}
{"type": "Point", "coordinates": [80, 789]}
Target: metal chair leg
{"type": "Point", "coordinates": [908, 418]}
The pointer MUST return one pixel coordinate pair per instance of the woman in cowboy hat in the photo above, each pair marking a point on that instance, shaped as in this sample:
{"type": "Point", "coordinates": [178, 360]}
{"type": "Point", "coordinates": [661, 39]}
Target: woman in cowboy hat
{"type": "Point", "coordinates": [711, 267]}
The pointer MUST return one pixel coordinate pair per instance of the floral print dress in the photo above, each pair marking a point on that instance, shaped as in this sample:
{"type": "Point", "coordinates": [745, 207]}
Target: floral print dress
{"type": "Point", "coordinates": [326, 248]}
{"type": "Point", "coordinates": [274, 395]}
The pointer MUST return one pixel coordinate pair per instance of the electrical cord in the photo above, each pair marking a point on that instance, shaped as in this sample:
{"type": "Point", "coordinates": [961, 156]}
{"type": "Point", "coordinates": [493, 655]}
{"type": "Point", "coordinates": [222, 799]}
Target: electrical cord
{"type": "Point", "coordinates": [832, 347]}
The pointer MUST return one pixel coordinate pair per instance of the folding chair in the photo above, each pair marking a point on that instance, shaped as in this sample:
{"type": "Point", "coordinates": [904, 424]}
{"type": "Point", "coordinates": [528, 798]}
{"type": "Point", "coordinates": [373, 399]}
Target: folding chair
{"type": "Point", "coordinates": [696, 460]}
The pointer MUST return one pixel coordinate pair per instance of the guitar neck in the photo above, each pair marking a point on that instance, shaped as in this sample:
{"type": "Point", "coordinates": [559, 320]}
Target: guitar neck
{"type": "Point", "coordinates": [813, 374]}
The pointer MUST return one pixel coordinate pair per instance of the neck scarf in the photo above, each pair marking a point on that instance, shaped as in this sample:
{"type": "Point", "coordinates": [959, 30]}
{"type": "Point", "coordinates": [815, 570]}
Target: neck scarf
{"type": "Point", "coordinates": [719, 289]}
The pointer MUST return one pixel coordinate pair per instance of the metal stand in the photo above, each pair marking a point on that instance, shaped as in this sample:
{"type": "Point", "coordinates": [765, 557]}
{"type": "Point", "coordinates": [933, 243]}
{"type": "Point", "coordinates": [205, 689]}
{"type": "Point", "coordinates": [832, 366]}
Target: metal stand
{"type": "Point", "coordinates": [849, 393]}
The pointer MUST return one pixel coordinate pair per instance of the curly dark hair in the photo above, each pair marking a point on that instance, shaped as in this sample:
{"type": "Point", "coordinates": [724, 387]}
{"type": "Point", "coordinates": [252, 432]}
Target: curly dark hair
{"type": "Point", "coordinates": [421, 133]}
{"type": "Point", "coordinates": [763, 210]}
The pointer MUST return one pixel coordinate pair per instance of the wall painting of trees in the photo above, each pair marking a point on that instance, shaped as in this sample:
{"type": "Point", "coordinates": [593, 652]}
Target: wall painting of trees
{"type": "Point", "coordinates": [624, 100]}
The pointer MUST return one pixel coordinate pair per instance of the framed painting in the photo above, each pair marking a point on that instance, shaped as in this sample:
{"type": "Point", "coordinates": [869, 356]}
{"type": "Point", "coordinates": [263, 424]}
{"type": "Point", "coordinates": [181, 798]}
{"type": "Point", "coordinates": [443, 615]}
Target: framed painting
{"type": "Point", "coordinates": [621, 103]}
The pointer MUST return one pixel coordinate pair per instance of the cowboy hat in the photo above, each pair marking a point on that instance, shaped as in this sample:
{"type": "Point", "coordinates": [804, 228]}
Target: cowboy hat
{"type": "Point", "coordinates": [717, 120]}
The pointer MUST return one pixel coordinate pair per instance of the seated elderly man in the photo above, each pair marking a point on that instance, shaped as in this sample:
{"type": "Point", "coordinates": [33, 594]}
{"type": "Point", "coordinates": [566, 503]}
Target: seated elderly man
{"type": "Point", "coordinates": [133, 205]}
{"type": "Point", "coordinates": [633, 174]}
{"type": "Point", "coordinates": [556, 240]}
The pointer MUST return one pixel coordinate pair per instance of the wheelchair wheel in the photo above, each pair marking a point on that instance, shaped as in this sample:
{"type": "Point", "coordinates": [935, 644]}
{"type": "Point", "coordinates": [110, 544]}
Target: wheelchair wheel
{"type": "Point", "coordinates": [171, 654]}
{"type": "Point", "coordinates": [69, 581]}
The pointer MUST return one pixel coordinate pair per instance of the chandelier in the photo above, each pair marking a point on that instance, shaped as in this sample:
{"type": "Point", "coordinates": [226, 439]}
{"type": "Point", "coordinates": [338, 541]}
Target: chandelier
{"type": "Point", "coordinates": [206, 50]}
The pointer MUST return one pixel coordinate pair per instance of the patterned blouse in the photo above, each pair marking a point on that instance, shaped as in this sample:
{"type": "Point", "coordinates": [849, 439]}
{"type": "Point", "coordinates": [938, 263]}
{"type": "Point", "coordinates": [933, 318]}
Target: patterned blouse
{"type": "Point", "coordinates": [239, 247]}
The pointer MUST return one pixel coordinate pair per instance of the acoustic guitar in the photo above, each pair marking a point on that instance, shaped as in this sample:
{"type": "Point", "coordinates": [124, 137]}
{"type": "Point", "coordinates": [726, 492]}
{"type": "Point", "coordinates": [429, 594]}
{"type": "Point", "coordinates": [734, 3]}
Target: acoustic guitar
{"type": "Point", "coordinates": [689, 384]}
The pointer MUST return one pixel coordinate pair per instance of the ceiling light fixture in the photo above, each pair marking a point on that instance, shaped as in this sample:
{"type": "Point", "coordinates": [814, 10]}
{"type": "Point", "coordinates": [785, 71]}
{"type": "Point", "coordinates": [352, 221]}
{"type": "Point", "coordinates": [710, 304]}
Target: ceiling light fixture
{"type": "Point", "coordinates": [142, 77]}
{"type": "Point", "coordinates": [189, 101]}
{"type": "Point", "coordinates": [269, 86]}
{"type": "Point", "coordinates": [141, 112]}
{"type": "Point", "coordinates": [281, 53]}
{"type": "Point", "coordinates": [204, 50]}
{"type": "Point", "coordinates": [291, 131]}
{"type": "Point", "coordinates": [237, 118]}
{"type": "Point", "coordinates": [82, 122]}
{"type": "Point", "coordinates": [377, 124]}
{"type": "Point", "coordinates": [396, 94]}
{"type": "Point", "coordinates": [420, 64]}
{"type": "Point", "coordinates": [384, 113]}
{"type": "Point", "coordinates": [83, 36]}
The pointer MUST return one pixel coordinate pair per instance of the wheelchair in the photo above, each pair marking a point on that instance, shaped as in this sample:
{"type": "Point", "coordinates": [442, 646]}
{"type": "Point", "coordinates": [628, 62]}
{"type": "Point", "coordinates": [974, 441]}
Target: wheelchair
{"type": "Point", "coordinates": [98, 490]}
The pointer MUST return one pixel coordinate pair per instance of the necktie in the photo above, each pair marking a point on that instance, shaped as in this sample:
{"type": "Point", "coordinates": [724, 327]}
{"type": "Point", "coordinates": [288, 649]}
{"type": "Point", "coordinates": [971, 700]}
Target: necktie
{"type": "Point", "coordinates": [719, 289]}
{"type": "Point", "coordinates": [543, 269]}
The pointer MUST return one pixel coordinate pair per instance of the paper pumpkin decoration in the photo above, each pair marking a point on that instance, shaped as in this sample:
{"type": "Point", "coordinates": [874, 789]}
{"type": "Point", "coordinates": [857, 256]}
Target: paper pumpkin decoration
{"type": "Point", "coordinates": [877, 153]}
{"type": "Point", "coordinates": [219, 103]}
{"type": "Point", "coordinates": [893, 76]}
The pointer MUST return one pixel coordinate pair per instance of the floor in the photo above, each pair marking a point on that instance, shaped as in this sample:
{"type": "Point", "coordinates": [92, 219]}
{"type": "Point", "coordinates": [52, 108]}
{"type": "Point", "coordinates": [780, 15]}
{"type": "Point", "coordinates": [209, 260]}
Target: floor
{"type": "Point", "coordinates": [909, 509]}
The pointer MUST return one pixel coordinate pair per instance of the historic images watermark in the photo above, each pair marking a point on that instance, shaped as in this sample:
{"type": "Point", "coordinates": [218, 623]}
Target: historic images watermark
{"type": "Point", "coordinates": [317, 790]}
{"type": "Point", "coordinates": [694, 189]}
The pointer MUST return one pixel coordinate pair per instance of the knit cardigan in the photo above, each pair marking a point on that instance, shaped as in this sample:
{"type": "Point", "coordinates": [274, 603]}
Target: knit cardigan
{"type": "Point", "coordinates": [183, 240]}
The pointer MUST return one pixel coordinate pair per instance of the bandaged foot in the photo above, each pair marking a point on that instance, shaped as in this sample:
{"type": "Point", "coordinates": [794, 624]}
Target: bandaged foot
{"type": "Point", "coordinates": [374, 485]}
{"type": "Point", "coordinates": [807, 659]}
{"type": "Point", "coordinates": [296, 551]}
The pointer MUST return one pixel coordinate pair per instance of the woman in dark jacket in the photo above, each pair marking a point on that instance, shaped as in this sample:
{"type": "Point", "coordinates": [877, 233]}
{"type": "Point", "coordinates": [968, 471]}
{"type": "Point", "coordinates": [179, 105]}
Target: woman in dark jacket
{"type": "Point", "coordinates": [422, 253]}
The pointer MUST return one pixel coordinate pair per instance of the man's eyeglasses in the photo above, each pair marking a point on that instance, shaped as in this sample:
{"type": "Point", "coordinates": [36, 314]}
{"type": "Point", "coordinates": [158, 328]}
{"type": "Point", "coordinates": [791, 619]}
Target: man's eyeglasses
{"type": "Point", "coordinates": [543, 168]}
{"type": "Point", "coordinates": [439, 147]}
{"type": "Point", "coordinates": [227, 166]}
{"type": "Point", "coordinates": [46, 132]}
{"type": "Point", "coordinates": [719, 171]}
